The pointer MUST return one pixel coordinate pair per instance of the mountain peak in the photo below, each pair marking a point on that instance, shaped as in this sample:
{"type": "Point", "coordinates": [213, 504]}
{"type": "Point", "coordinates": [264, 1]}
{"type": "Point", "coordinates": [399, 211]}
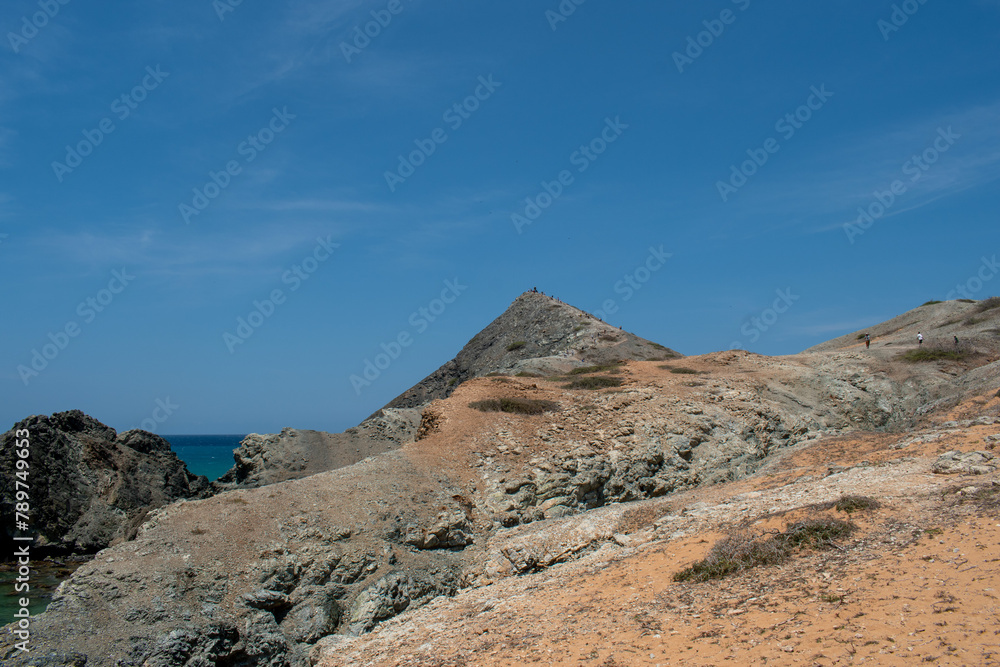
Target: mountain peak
{"type": "Point", "coordinates": [536, 334]}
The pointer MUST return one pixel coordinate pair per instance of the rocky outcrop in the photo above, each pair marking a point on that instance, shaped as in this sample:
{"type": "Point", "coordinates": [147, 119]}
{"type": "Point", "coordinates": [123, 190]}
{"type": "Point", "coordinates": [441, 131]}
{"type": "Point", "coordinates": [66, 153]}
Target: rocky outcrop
{"type": "Point", "coordinates": [294, 453]}
{"type": "Point", "coordinates": [88, 485]}
{"type": "Point", "coordinates": [965, 463]}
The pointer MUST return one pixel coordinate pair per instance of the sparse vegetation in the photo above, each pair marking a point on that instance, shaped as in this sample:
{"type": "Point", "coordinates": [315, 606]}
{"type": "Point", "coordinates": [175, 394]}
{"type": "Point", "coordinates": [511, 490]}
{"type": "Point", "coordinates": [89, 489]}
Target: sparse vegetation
{"type": "Point", "coordinates": [522, 406]}
{"type": "Point", "coordinates": [860, 337]}
{"type": "Point", "coordinates": [983, 497]}
{"type": "Point", "coordinates": [527, 374]}
{"type": "Point", "coordinates": [607, 337]}
{"type": "Point", "coordinates": [237, 500]}
{"type": "Point", "coordinates": [742, 550]}
{"type": "Point", "coordinates": [929, 303]}
{"type": "Point", "coordinates": [681, 370]}
{"type": "Point", "coordinates": [849, 504]}
{"type": "Point", "coordinates": [594, 382]}
{"type": "Point", "coordinates": [988, 304]}
{"type": "Point", "coordinates": [452, 382]}
{"type": "Point", "coordinates": [586, 370]}
{"type": "Point", "coordinates": [516, 345]}
{"type": "Point", "coordinates": [934, 354]}
{"type": "Point", "coordinates": [966, 300]}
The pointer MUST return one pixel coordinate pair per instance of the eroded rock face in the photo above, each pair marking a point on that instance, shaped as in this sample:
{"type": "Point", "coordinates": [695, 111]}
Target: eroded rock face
{"type": "Point", "coordinates": [294, 453]}
{"type": "Point", "coordinates": [89, 485]}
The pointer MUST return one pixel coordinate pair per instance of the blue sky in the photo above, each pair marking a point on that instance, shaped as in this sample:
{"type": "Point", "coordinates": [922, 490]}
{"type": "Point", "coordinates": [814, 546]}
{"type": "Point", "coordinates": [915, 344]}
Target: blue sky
{"type": "Point", "coordinates": [174, 163]}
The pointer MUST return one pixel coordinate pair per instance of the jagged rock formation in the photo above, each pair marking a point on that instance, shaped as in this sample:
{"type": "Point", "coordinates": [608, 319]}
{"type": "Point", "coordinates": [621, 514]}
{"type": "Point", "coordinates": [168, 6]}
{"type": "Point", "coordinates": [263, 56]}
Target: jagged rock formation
{"type": "Point", "coordinates": [90, 486]}
{"type": "Point", "coordinates": [536, 334]}
{"type": "Point", "coordinates": [262, 576]}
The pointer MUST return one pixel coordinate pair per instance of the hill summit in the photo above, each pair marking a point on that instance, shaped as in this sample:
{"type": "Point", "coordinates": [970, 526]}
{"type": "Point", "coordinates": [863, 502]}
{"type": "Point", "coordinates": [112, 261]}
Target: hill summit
{"type": "Point", "coordinates": [537, 334]}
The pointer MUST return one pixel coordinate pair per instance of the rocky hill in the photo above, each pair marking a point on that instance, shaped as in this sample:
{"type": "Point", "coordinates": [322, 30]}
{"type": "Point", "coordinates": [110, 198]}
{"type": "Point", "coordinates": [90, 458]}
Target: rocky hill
{"type": "Point", "coordinates": [536, 335]}
{"type": "Point", "coordinates": [578, 496]}
{"type": "Point", "coordinates": [974, 323]}
{"type": "Point", "coordinates": [90, 486]}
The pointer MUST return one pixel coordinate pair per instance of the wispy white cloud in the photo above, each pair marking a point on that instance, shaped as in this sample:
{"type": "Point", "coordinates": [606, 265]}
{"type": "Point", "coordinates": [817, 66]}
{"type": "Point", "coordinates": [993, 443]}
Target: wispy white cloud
{"type": "Point", "coordinates": [824, 191]}
{"type": "Point", "coordinates": [173, 255]}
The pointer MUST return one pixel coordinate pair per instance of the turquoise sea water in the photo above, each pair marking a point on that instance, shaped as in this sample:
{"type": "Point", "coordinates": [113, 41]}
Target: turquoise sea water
{"type": "Point", "coordinates": [208, 455]}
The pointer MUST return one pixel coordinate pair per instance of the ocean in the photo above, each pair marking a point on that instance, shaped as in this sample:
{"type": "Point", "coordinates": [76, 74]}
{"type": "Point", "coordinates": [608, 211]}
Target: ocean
{"type": "Point", "coordinates": [208, 455]}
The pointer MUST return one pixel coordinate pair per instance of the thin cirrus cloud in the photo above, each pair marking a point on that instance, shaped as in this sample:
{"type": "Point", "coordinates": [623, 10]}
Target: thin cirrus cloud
{"type": "Point", "coordinates": [828, 185]}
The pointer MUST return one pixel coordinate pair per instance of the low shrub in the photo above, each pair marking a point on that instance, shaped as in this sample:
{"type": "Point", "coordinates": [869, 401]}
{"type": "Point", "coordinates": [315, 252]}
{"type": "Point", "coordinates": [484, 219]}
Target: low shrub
{"type": "Point", "coordinates": [516, 345]}
{"type": "Point", "coordinates": [585, 370]}
{"type": "Point", "coordinates": [594, 382]}
{"type": "Point", "coordinates": [849, 504]}
{"type": "Point", "coordinates": [742, 550]}
{"type": "Point", "coordinates": [681, 370]}
{"type": "Point", "coordinates": [523, 406]}
{"type": "Point", "coordinates": [933, 354]}
{"type": "Point", "coordinates": [929, 303]}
